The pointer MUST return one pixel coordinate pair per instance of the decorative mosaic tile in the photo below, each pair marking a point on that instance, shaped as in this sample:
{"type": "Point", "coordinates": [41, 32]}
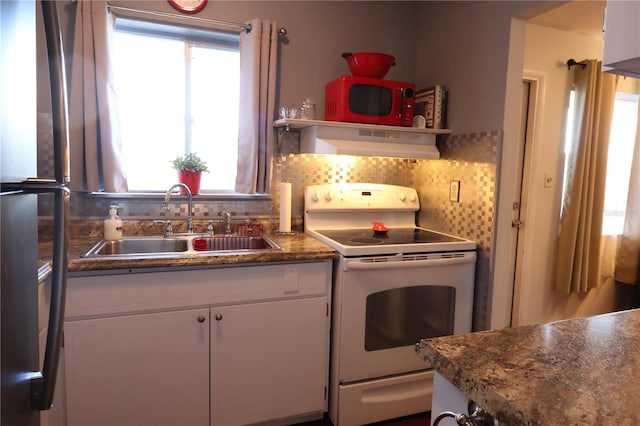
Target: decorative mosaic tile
{"type": "Point", "coordinates": [302, 170]}
{"type": "Point", "coordinates": [45, 145]}
{"type": "Point", "coordinates": [45, 157]}
{"type": "Point", "coordinates": [472, 160]}
{"type": "Point", "coordinates": [151, 207]}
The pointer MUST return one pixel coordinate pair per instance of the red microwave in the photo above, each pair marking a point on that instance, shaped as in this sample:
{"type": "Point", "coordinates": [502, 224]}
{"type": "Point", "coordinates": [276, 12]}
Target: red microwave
{"type": "Point", "coordinates": [369, 100]}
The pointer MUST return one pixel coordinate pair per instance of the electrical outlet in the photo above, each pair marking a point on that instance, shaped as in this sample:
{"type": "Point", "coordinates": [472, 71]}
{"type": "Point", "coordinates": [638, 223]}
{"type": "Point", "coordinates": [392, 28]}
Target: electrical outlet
{"type": "Point", "coordinates": [454, 191]}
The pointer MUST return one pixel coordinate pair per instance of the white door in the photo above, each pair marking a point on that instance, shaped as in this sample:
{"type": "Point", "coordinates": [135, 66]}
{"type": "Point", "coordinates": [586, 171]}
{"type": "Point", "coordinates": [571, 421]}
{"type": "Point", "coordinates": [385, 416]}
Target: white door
{"type": "Point", "coordinates": [531, 89]}
{"type": "Point", "coordinates": [138, 370]}
{"type": "Point", "coordinates": [529, 93]}
{"type": "Point", "coordinates": [269, 360]}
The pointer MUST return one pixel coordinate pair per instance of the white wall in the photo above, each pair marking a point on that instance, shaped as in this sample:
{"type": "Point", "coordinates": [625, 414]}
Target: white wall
{"type": "Point", "coordinates": [546, 53]}
{"type": "Point", "coordinates": [465, 46]}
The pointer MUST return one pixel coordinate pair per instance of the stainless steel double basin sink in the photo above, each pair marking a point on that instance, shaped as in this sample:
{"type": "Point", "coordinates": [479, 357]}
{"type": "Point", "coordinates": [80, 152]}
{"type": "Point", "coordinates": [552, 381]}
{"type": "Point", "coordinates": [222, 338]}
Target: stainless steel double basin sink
{"type": "Point", "coordinates": [180, 244]}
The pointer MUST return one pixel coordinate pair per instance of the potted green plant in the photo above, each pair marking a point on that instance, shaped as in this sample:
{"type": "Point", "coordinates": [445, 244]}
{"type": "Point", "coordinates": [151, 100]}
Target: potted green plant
{"type": "Point", "coordinates": [190, 167]}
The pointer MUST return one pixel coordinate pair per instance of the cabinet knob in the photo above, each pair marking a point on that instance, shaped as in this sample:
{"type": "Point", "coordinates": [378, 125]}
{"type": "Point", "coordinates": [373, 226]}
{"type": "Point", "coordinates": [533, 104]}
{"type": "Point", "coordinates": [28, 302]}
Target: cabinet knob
{"type": "Point", "coordinates": [201, 318]}
{"type": "Point", "coordinates": [218, 316]}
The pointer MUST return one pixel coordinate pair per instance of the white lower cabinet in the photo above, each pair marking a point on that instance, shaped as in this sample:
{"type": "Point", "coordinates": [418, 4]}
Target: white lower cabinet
{"type": "Point", "coordinates": [267, 361]}
{"type": "Point", "coordinates": [148, 369]}
{"type": "Point", "coordinates": [222, 346]}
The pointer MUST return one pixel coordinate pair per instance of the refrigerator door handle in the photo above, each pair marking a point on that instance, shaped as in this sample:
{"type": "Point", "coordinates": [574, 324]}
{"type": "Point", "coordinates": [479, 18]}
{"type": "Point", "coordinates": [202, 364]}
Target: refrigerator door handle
{"type": "Point", "coordinates": [58, 82]}
{"type": "Point", "coordinates": [43, 386]}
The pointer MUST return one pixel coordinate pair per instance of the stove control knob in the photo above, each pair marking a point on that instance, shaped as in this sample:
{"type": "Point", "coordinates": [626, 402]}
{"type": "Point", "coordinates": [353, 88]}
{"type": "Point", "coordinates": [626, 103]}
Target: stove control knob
{"type": "Point", "coordinates": [328, 196]}
{"type": "Point", "coordinates": [314, 196]}
{"type": "Point", "coordinates": [412, 197]}
{"type": "Point", "coordinates": [402, 196]}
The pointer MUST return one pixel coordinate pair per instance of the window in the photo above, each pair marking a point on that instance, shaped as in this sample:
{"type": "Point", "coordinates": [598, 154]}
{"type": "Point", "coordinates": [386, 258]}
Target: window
{"type": "Point", "coordinates": [178, 92]}
{"type": "Point", "coordinates": [568, 135]}
{"type": "Point", "coordinates": [621, 142]}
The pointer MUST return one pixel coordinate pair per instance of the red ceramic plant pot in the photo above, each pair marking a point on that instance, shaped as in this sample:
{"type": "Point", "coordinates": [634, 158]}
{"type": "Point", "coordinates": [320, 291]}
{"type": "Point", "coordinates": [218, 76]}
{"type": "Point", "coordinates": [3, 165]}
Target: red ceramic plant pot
{"type": "Point", "coordinates": [191, 179]}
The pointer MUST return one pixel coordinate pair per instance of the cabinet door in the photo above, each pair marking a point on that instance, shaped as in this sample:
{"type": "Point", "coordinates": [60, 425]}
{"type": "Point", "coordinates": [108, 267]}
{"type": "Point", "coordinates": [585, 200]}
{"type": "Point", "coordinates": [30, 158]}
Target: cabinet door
{"type": "Point", "coordinates": [269, 360]}
{"type": "Point", "coordinates": [138, 370]}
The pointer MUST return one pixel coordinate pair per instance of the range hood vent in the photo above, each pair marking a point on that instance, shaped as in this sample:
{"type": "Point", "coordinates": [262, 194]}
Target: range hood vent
{"type": "Point", "coordinates": [373, 141]}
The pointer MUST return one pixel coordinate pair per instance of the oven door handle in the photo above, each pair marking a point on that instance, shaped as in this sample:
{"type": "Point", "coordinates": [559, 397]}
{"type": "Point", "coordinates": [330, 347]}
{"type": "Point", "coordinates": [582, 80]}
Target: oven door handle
{"type": "Point", "coordinates": [407, 261]}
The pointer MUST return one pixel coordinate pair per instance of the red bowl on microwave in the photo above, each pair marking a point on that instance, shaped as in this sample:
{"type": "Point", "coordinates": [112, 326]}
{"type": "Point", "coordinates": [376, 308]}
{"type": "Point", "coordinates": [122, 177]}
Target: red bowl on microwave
{"type": "Point", "coordinates": [369, 64]}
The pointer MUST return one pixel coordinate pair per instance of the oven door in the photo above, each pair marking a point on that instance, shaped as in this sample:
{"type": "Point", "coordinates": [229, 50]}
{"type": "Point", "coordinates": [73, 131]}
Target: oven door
{"type": "Point", "coordinates": [386, 304]}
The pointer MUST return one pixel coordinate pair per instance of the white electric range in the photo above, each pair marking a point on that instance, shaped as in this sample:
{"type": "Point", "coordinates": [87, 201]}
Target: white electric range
{"type": "Point", "coordinates": [395, 283]}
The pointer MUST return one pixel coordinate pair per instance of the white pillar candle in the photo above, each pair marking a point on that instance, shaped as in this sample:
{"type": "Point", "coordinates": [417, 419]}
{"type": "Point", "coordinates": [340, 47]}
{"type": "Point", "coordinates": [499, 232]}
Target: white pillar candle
{"type": "Point", "coordinates": [285, 207]}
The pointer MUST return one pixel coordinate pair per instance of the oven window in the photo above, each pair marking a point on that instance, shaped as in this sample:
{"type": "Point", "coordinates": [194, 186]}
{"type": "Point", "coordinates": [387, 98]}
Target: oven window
{"type": "Point", "coordinates": [371, 100]}
{"type": "Point", "coordinates": [403, 316]}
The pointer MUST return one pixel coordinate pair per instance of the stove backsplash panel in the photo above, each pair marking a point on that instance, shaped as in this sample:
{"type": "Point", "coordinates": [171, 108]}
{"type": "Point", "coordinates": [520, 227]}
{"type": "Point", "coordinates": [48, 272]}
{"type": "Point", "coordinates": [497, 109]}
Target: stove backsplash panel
{"type": "Point", "coordinates": [472, 161]}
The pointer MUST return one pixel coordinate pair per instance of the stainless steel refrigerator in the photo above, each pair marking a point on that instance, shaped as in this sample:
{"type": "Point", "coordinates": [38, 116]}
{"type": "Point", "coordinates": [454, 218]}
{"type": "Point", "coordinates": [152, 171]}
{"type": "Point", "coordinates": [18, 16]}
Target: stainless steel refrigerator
{"type": "Point", "coordinates": [28, 382]}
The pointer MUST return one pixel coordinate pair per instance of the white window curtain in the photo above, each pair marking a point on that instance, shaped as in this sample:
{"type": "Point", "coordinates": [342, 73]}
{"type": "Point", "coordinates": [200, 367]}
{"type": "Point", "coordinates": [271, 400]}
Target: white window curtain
{"type": "Point", "coordinates": [627, 265]}
{"type": "Point", "coordinates": [94, 137]}
{"type": "Point", "coordinates": [577, 267]}
{"type": "Point", "coordinates": [258, 65]}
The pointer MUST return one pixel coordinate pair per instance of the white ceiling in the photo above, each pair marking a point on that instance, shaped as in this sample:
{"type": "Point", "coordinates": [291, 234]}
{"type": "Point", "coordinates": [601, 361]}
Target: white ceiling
{"type": "Point", "coordinates": [579, 16]}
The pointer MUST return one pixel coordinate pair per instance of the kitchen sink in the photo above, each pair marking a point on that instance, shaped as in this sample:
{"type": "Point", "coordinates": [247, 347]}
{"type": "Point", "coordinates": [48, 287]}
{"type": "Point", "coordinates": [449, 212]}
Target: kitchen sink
{"type": "Point", "coordinates": [233, 242]}
{"type": "Point", "coordinates": [184, 244]}
{"type": "Point", "coordinates": [138, 246]}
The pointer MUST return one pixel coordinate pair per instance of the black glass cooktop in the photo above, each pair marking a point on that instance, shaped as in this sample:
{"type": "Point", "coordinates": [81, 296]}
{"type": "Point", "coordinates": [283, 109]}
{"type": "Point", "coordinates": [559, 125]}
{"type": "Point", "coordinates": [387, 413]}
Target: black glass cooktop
{"type": "Point", "coordinates": [367, 237]}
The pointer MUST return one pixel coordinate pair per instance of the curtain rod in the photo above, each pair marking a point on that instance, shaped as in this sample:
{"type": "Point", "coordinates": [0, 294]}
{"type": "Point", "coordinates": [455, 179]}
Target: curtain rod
{"type": "Point", "coordinates": [572, 62]}
{"type": "Point", "coordinates": [241, 27]}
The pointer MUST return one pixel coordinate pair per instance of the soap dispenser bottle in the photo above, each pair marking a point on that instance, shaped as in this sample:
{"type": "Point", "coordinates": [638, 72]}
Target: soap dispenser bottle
{"type": "Point", "coordinates": [113, 225]}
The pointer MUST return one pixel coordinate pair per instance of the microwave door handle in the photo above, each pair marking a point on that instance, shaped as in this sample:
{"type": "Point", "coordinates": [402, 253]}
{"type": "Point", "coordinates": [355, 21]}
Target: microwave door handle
{"type": "Point", "coordinates": [401, 101]}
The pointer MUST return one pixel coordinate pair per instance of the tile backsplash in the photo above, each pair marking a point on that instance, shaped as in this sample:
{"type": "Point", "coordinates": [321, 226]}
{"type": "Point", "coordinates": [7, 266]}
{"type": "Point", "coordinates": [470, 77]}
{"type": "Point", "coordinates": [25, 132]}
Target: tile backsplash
{"type": "Point", "coordinates": [302, 170]}
{"type": "Point", "coordinates": [472, 160]}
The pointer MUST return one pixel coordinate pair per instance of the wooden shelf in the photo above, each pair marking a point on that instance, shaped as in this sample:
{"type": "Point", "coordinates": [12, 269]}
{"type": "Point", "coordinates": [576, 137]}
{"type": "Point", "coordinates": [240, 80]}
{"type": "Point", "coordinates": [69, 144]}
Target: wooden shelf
{"type": "Point", "coordinates": [334, 137]}
{"type": "Point", "coordinates": [301, 124]}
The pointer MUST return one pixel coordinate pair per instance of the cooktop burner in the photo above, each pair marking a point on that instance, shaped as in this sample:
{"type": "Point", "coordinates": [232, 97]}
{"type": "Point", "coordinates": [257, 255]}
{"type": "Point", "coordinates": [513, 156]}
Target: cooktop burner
{"type": "Point", "coordinates": [367, 237]}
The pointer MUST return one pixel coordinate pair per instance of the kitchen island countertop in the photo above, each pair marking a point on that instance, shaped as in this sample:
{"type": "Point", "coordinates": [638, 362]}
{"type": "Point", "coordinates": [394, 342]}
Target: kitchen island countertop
{"type": "Point", "coordinates": [583, 371]}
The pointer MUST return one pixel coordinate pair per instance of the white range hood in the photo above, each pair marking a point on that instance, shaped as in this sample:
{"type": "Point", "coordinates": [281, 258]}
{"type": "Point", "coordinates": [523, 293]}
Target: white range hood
{"type": "Point", "coordinates": [331, 137]}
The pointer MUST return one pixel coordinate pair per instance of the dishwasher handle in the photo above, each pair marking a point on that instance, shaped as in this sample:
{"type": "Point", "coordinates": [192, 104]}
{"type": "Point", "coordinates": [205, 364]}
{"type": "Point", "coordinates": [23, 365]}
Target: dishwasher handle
{"type": "Point", "coordinates": [410, 261]}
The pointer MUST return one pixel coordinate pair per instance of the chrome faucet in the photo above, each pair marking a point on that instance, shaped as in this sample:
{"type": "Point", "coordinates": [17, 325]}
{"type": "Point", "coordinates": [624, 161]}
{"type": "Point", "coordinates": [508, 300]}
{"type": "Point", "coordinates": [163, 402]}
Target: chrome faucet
{"type": "Point", "coordinates": [167, 198]}
{"type": "Point", "coordinates": [227, 222]}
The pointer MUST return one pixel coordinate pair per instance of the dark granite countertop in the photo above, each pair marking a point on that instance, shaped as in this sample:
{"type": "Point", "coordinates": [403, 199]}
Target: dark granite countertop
{"type": "Point", "coordinates": [294, 247]}
{"type": "Point", "coordinates": [583, 371]}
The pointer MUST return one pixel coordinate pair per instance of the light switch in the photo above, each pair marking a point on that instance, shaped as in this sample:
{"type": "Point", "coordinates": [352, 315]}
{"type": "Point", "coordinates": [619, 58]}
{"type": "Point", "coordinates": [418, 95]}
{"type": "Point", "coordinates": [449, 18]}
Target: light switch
{"type": "Point", "coordinates": [548, 180]}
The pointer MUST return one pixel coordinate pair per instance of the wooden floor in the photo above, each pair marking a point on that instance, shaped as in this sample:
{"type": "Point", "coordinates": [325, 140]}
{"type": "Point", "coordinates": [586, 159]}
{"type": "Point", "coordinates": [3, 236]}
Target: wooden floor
{"type": "Point", "coordinates": [423, 419]}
